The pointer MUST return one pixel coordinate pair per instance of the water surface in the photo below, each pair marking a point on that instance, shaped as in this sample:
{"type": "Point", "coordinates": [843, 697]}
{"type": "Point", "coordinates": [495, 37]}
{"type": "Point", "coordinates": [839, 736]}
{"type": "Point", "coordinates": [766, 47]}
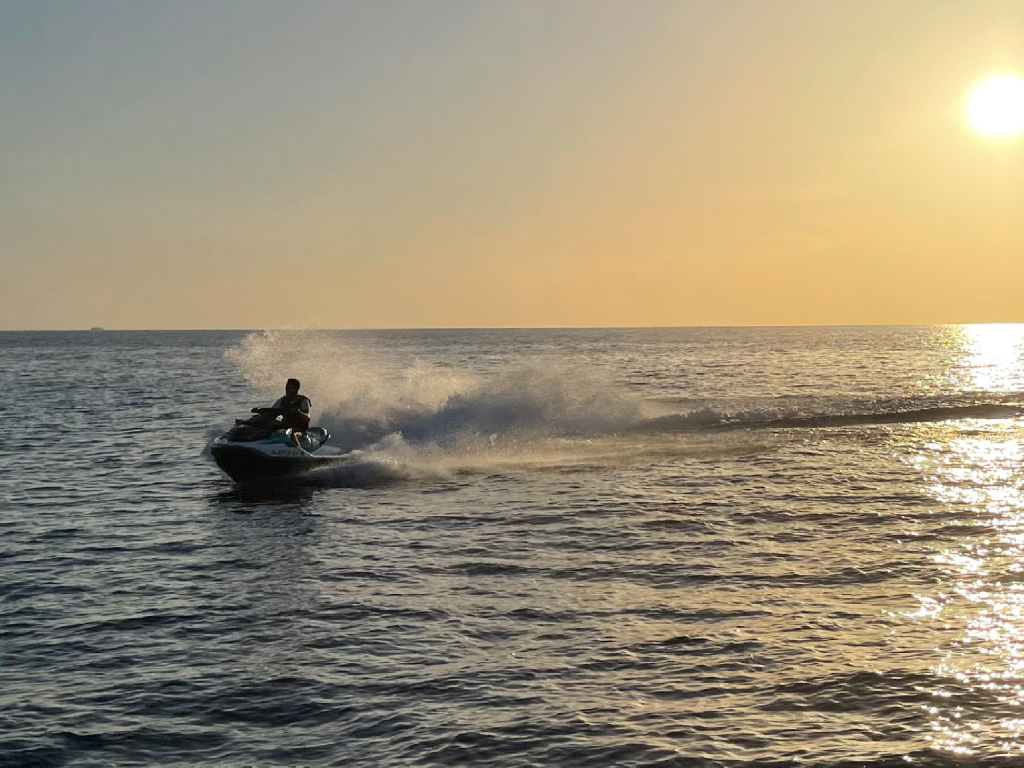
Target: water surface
{"type": "Point", "coordinates": [664, 547]}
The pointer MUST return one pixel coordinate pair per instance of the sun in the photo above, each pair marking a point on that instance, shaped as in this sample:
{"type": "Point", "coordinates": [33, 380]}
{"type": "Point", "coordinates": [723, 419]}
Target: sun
{"type": "Point", "coordinates": [996, 106]}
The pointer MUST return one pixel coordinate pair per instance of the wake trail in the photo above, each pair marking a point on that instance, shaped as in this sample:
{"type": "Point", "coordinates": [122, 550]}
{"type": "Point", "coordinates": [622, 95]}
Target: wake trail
{"type": "Point", "coordinates": [711, 420]}
{"type": "Point", "coordinates": [398, 421]}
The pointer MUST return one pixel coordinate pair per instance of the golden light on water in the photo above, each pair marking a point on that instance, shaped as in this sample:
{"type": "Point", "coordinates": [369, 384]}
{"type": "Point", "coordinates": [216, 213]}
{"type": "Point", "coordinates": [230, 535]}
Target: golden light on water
{"type": "Point", "coordinates": [976, 473]}
{"type": "Point", "coordinates": [981, 598]}
{"type": "Point", "coordinates": [991, 357]}
{"type": "Point", "coordinates": [996, 106]}
{"type": "Point", "coordinates": [995, 350]}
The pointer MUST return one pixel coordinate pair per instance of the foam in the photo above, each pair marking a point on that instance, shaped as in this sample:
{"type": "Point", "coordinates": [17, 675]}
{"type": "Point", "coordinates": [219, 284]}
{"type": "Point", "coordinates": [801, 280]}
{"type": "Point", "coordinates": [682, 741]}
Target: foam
{"type": "Point", "coordinates": [362, 397]}
{"type": "Point", "coordinates": [408, 419]}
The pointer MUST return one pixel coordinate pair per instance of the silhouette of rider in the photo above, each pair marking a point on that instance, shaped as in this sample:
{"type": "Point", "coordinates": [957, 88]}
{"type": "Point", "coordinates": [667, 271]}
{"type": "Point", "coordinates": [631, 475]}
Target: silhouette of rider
{"type": "Point", "coordinates": [295, 407]}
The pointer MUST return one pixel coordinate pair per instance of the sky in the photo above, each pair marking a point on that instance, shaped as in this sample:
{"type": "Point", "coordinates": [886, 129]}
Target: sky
{"type": "Point", "coordinates": [457, 163]}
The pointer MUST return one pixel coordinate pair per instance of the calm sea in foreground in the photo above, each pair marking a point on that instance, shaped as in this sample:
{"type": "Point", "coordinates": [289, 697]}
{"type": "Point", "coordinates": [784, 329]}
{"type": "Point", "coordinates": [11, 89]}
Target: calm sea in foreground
{"type": "Point", "coordinates": [663, 547]}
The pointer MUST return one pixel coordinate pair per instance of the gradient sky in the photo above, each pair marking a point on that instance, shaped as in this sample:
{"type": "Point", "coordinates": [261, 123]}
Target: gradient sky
{"type": "Point", "coordinates": [250, 164]}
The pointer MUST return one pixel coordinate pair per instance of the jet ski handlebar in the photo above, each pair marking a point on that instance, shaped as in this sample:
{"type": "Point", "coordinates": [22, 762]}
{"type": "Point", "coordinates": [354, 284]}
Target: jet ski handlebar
{"type": "Point", "coordinates": [271, 412]}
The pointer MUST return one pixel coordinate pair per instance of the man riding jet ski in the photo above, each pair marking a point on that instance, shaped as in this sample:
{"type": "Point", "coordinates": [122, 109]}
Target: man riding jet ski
{"type": "Point", "coordinates": [294, 410]}
{"type": "Point", "coordinates": [274, 442]}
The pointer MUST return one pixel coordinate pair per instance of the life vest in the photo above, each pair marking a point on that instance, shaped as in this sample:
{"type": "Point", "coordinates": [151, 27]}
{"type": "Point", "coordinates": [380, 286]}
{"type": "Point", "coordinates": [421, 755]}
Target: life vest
{"type": "Point", "coordinates": [295, 402]}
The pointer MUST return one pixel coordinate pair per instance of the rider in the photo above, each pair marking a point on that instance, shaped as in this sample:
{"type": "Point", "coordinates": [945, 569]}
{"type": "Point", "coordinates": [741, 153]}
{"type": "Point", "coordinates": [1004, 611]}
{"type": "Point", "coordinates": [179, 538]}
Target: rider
{"type": "Point", "coordinates": [296, 408]}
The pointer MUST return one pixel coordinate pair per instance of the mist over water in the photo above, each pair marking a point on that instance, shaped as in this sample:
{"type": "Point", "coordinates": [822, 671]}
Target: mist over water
{"type": "Point", "coordinates": [405, 417]}
{"type": "Point", "coordinates": [708, 547]}
{"type": "Point", "coordinates": [416, 418]}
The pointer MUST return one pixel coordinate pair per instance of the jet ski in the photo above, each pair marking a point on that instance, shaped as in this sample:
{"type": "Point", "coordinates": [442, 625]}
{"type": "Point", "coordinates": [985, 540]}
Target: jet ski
{"type": "Point", "coordinates": [261, 448]}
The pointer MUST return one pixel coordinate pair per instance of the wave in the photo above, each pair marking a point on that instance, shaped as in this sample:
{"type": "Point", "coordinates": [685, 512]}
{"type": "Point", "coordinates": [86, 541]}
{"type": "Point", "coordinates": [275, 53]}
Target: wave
{"type": "Point", "coordinates": [711, 420]}
{"type": "Point", "coordinates": [400, 421]}
{"type": "Point", "coordinates": [363, 397]}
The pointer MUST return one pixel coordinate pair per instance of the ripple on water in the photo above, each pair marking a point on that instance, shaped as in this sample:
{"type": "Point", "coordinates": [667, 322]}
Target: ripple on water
{"type": "Point", "coordinates": [789, 596]}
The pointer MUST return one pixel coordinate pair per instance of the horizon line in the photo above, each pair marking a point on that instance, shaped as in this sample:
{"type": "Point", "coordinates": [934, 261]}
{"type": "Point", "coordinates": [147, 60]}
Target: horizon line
{"type": "Point", "coordinates": [99, 329]}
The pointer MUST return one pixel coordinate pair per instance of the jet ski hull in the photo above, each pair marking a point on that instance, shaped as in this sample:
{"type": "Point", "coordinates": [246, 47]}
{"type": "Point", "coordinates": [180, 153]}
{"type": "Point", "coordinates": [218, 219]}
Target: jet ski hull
{"type": "Point", "coordinates": [257, 450]}
{"type": "Point", "coordinates": [249, 465]}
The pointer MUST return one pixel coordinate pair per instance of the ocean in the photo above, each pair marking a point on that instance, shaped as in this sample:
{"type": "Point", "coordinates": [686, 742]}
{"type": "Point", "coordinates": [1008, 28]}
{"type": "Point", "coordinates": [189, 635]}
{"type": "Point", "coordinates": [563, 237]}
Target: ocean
{"type": "Point", "coordinates": [593, 547]}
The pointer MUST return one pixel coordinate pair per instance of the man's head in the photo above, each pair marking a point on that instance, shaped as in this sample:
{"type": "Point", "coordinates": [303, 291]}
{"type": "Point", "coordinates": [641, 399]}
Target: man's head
{"type": "Point", "coordinates": [291, 387]}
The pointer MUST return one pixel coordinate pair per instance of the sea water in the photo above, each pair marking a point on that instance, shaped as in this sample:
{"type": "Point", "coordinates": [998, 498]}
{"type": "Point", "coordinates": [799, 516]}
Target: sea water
{"type": "Point", "coordinates": [655, 547]}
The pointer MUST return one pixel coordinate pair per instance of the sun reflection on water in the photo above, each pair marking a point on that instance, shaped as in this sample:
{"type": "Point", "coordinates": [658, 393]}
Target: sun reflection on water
{"type": "Point", "coordinates": [974, 471]}
{"type": "Point", "coordinates": [991, 356]}
{"type": "Point", "coordinates": [982, 599]}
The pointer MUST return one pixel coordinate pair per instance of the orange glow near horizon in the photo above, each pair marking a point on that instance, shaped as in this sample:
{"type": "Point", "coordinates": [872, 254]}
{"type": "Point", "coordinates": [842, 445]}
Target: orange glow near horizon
{"type": "Point", "coordinates": [461, 165]}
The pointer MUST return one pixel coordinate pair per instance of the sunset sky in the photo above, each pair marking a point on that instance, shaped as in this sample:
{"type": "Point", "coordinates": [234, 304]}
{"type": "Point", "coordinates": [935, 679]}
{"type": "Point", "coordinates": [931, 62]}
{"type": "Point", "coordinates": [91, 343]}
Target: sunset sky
{"type": "Point", "coordinates": [429, 163]}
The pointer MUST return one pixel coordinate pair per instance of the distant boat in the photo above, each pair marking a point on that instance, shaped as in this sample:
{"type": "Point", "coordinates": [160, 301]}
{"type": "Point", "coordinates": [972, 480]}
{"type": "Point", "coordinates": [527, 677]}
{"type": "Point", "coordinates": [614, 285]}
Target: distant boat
{"type": "Point", "coordinates": [96, 328]}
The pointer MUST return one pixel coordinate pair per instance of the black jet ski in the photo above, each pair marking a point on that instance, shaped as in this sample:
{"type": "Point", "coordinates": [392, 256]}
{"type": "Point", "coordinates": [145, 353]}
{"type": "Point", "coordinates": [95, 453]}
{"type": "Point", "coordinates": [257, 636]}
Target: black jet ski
{"type": "Point", "coordinates": [261, 448]}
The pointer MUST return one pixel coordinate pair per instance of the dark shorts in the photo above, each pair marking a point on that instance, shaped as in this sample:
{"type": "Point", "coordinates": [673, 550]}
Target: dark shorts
{"type": "Point", "coordinates": [296, 421]}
